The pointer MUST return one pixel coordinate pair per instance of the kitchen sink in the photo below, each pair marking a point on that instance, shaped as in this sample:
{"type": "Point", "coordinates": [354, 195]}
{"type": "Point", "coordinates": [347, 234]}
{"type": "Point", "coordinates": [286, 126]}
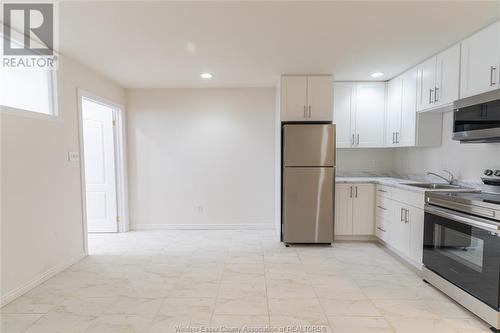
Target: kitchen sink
{"type": "Point", "coordinates": [436, 186]}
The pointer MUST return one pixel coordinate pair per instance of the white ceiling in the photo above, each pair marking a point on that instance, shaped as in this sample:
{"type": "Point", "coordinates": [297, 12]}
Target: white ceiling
{"type": "Point", "coordinates": [169, 44]}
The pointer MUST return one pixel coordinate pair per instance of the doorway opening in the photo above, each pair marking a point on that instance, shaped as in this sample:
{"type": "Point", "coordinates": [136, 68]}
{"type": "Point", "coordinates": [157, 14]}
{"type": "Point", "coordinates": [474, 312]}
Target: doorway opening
{"type": "Point", "coordinates": [103, 168]}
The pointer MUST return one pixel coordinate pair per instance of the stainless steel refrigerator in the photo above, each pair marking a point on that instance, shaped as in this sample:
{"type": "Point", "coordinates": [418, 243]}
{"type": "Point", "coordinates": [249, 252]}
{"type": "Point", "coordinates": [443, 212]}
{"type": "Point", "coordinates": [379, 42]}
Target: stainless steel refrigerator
{"type": "Point", "coordinates": [308, 183]}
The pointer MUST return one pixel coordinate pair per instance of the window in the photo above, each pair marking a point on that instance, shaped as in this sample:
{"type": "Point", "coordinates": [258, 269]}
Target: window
{"type": "Point", "coordinates": [27, 89]}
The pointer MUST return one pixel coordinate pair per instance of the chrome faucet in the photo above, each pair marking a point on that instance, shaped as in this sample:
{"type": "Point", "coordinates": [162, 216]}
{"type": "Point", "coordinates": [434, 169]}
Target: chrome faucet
{"type": "Point", "coordinates": [450, 180]}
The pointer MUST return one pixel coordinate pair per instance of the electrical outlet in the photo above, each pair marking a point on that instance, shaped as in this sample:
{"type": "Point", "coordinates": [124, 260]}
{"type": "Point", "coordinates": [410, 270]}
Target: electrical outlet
{"type": "Point", "coordinates": [73, 156]}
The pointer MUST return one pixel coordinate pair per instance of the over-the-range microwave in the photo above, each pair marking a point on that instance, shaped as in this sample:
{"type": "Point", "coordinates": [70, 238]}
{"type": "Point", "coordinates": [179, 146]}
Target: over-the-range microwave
{"type": "Point", "coordinates": [477, 118]}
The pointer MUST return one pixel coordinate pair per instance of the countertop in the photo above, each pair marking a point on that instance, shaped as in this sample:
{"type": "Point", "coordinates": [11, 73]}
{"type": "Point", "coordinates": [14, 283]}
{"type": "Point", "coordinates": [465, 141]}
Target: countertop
{"type": "Point", "coordinates": [395, 182]}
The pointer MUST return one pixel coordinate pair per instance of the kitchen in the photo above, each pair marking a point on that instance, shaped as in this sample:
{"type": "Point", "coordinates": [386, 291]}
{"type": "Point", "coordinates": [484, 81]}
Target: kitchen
{"type": "Point", "coordinates": [320, 184]}
{"type": "Point", "coordinates": [429, 224]}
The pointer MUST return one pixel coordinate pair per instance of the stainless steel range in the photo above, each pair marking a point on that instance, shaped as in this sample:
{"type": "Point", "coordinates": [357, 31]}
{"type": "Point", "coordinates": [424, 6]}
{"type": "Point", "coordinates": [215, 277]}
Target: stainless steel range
{"type": "Point", "coordinates": [461, 253]}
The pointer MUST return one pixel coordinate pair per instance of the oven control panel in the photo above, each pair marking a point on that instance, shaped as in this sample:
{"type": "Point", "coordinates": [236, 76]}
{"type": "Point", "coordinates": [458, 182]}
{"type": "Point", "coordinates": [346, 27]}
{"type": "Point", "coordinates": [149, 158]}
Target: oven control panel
{"type": "Point", "coordinates": [491, 176]}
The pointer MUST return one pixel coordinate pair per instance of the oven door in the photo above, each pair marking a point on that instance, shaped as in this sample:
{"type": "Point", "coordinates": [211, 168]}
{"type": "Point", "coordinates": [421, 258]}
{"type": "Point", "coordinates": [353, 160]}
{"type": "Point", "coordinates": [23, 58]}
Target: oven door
{"type": "Point", "coordinates": [464, 251]}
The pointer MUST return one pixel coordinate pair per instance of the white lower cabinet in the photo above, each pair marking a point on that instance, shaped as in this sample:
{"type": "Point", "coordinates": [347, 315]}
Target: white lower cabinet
{"type": "Point", "coordinates": [354, 209]}
{"type": "Point", "coordinates": [400, 222]}
{"type": "Point", "coordinates": [416, 221]}
{"type": "Point", "coordinates": [401, 240]}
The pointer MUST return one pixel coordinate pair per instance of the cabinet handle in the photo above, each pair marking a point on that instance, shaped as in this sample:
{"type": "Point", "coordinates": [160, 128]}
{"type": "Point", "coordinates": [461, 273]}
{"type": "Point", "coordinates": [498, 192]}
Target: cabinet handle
{"type": "Point", "coordinates": [492, 75]}
{"type": "Point", "coordinates": [383, 191]}
{"type": "Point", "coordinates": [379, 228]}
{"type": "Point", "coordinates": [397, 137]}
{"type": "Point", "coordinates": [353, 142]}
{"type": "Point", "coordinates": [407, 216]}
{"type": "Point", "coordinates": [305, 112]}
{"type": "Point", "coordinates": [309, 111]}
{"type": "Point", "coordinates": [401, 219]}
{"type": "Point", "coordinates": [358, 140]}
{"type": "Point", "coordinates": [383, 208]}
{"type": "Point", "coordinates": [430, 95]}
{"type": "Point", "coordinates": [393, 141]}
{"type": "Point", "coordinates": [356, 192]}
{"type": "Point", "coordinates": [436, 98]}
{"type": "Point", "coordinates": [350, 195]}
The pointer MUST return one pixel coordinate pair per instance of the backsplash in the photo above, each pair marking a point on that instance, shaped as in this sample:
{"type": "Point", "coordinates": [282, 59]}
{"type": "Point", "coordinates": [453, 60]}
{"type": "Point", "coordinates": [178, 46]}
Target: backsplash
{"type": "Point", "coordinates": [466, 161]}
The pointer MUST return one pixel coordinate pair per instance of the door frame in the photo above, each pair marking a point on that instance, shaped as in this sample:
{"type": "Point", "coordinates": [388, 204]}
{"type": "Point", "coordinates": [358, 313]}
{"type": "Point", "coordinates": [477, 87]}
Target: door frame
{"type": "Point", "coordinates": [120, 143]}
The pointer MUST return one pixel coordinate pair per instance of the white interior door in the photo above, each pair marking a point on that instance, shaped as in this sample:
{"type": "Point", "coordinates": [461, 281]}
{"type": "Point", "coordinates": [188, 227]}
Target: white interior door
{"type": "Point", "coordinates": [100, 172]}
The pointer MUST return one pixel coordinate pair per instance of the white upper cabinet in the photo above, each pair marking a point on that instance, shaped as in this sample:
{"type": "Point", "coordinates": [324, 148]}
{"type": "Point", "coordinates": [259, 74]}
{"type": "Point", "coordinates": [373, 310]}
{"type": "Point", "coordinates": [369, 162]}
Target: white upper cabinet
{"type": "Point", "coordinates": [359, 112]}
{"type": "Point", "coordinates": [394, 94]}
{"type": "Point", "coordinates": [447, 76]}
{"type": "Point", "coordinates": [406, 137]}
{"type": "Point", "coordinates": [404, 126]}
{"type": "Point", "coordinates": [438, 80]}
{"type": "Point", "coordinates": [320, 98]}
{"type": "Point", "coordinates": [426, 84]}
{"type": "Point", "coordinates": [293, 98]}
{"type": "Point", "coordinates": [306, 98]}
{"type": "Point", "coordinates": [370, 114]}
{"type": "Point", "coordinates": [480, 65]}
{"type": "Point", "coordinates": [343, 107]}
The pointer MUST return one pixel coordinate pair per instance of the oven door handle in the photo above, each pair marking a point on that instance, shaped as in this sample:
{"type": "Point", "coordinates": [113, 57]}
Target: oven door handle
{"type": "Point", "coordinates": [463, 218]}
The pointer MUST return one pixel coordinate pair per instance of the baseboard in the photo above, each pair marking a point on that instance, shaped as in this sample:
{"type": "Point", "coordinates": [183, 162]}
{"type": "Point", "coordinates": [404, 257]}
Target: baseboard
{"type": "Point", "coordinates": [257, 226]}
{"type": "Point", "coordinates": [12, 295]}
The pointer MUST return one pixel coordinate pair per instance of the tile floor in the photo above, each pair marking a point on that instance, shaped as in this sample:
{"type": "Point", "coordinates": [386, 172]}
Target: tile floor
{"type": "Point", "coordinates": [157, 281]}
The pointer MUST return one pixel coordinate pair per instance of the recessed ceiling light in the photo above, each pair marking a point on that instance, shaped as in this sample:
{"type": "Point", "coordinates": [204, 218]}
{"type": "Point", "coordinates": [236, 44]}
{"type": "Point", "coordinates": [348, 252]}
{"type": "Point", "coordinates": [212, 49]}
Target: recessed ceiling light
{"type": "Point", "coordinates": [377, 74]}
{"type": "Point", "coordinates": [206, 76]}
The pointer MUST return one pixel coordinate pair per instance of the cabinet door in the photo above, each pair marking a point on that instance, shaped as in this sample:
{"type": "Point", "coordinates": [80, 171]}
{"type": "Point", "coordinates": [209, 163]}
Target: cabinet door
{"type": "Point", "coordinates": [401, 239]}
{"type": "Point", "coordinates": [479, 70]}
{"type": "Point", "coordinates": [393, 111]}
{"type": "Point", "coordinates": [406, 137]}
{"type": "Point", "coordinates": [416, 221]}
{"type": "Point", "coordinates": [447, 76]}
{"type": "Point", "coordinates": [363, 211]}
{"type": "Point", "coordinates": [293, 98]}
{"type": "Point", "coordinates": [342, 112]}
{"type": "Point", "coordinates": [426, 84]}
{"type": "Point", "coordinates": [370, 114]}
{"type": "Point", "coordinates": [343, 209]}
{"type": "Point", "coordinates": [320, 98]}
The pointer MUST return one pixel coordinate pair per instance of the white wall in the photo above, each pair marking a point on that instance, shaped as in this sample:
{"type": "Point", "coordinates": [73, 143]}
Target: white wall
{"type": "Point", "coordinates": [41, 220]}
{"type": "Point", "coordinates": [467, 161]}
{"type": "Point", "coordinates": [200, 157]}
{"type": "Point", "coordinates": [357, 161]}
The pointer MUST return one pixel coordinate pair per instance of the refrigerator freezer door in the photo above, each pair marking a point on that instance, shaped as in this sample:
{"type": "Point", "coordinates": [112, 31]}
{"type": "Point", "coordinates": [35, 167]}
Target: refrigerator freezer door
{"type": "Point", "coordinates": [308, 205]}
{"type": "Point", "coordinates": [309, 145]}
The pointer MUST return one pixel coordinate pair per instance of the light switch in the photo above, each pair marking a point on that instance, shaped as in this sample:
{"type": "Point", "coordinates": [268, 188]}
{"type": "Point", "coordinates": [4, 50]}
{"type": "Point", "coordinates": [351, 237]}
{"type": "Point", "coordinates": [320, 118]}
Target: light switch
{"type": "Point", "coordinates": [73, 156]}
